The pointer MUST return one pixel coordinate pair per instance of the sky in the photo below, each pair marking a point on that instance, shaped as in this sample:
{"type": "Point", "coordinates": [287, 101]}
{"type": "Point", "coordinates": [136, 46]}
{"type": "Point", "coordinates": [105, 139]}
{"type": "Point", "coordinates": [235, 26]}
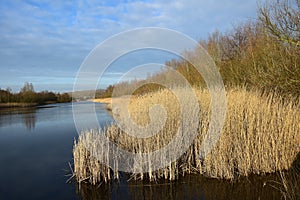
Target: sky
{"type": "Point", "coordinates": [45, 42]}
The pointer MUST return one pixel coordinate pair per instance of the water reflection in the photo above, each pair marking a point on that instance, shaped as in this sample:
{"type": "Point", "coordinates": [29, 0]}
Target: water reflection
{"type": "Point", "coordinates": [189, 187]}
{"type": "Point", "coordinates": [35, 146]}
{"type": "Point", "coordinates": [14, 116]}
{"type": "Point", "coordinates": [30, 117]}
{"type": "Point", "coordinates": [280, 185]}
{"type": "Point", "coordinates": [29, 120]}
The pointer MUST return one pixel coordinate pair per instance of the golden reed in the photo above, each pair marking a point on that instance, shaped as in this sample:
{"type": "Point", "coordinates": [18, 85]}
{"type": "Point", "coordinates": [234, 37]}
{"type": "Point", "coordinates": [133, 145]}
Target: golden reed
{"type": "Point", "coordinates": [261, 135]}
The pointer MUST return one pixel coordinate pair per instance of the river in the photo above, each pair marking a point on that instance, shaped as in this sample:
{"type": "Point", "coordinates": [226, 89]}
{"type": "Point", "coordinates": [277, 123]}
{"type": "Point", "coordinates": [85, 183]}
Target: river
{"type": "Point", "coordinates": [36, 149]}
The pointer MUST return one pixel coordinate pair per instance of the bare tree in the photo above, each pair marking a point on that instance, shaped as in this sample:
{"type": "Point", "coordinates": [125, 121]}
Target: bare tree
{"type": "Point", "coordinates": [28, 87]}
{"type": "Point", "coordinates": [281, 18]}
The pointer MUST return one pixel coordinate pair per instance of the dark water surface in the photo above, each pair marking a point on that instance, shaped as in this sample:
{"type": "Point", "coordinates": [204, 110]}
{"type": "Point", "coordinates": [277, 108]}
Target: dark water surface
{"type": "Point", "coordinates": [36, 147]}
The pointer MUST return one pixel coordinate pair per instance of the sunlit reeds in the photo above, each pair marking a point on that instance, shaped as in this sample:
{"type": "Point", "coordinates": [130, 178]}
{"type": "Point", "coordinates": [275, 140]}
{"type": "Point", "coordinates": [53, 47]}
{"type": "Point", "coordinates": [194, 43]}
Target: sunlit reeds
{"type": "Point", "coordinates": [261, 135]}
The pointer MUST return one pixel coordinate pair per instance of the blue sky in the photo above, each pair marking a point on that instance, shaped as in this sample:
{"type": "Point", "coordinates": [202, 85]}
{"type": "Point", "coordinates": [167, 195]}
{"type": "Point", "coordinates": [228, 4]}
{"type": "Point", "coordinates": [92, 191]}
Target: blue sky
{"type": "Point", "coordinates": [45, 42]}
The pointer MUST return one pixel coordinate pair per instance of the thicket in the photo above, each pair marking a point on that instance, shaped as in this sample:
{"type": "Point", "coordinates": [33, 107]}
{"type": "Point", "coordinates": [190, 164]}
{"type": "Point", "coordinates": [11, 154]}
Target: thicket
{"type": "Point", "coordinates": [28, 95]}
{"type": "Point", "coordinates": [262, 54]}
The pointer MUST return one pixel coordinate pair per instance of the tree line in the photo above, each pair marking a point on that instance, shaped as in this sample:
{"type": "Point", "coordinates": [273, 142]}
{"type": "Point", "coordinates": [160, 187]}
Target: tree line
{"type": "Point", "coordinates": [28, 95]}
{"type": "Point", "coordinates": [262, 54]}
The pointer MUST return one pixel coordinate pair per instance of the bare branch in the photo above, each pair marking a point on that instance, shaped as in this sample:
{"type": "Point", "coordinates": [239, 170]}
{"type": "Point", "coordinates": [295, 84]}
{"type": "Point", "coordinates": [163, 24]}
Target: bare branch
{"type": "Point", "coordinates": [281, 18]}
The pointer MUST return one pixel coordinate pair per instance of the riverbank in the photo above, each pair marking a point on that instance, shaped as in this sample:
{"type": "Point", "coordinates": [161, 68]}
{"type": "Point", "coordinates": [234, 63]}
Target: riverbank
{"type": "Point", "coordinates": [27, 105]}
{"type": "Point", "coordinates": [103, 100]}
{"type": "Point", "coordinates": [116, 100]}
{"type": "Point", "coordinates": [107, 101]}
{"type": "Point", "coordinates": [18, 105]}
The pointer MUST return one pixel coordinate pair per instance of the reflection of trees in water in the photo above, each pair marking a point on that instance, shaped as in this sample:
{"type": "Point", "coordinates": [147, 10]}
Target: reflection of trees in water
{"type": "Point", "coordinates": [29, 120]}
{"type": "Point", "coordinates": [189, 187]}
{"type": "Point", "coordinates": [5, 120]}
{"type": "Point", "coordinates": [13, 116]}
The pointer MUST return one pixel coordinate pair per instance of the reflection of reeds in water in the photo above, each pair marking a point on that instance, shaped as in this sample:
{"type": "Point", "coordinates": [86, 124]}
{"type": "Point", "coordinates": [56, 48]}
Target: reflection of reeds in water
{"type": "Point", "coordinates": [261, 135]}
{"type": "Point", "coordinates": [289, 185]}
{"type": "Point", "coordinates": [188, 187]}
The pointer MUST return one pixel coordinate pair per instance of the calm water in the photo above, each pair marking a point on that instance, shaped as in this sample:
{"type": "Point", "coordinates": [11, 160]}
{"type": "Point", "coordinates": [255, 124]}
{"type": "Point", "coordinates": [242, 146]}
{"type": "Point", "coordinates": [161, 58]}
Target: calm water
{"type": "Point", "coordinates": [36, 147]}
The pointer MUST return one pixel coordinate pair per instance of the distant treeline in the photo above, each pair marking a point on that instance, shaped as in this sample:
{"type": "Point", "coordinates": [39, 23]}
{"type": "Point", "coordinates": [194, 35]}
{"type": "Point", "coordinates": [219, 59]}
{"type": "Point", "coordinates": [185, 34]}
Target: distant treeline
{"type": "Point", "coordinates": [28, 95]}
{"type": "Point", "coordinates": [262, 54]}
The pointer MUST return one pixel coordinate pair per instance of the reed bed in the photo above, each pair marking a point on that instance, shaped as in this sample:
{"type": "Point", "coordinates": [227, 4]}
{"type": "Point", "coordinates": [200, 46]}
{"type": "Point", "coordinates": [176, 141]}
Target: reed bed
{"type": "Point", "coordinates": [261, 135]}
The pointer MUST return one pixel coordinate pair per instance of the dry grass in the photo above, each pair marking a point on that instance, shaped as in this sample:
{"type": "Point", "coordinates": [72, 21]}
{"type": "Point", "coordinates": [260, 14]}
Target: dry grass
{"type": "Point", "coordinates": [103, 100]}
{"type": "Point", "coordinates": [261, 135]}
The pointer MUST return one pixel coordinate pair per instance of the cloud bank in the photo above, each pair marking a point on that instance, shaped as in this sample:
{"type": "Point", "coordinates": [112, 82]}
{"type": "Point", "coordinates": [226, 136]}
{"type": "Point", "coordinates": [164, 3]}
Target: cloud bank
{"type": "Point", "coordinates": [45, 42]}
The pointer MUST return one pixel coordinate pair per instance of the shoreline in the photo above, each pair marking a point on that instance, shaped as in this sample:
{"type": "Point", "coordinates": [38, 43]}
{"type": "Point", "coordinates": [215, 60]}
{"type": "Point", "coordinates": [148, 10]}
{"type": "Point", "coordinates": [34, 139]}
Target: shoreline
{"type": "Point", "coordinates": [106, 101]}
{"type": "Point", "coordinates": [18, 105]}
{"type": "Point", "coordinates": [26, 105]}
{"type": "Point", "coordinates": [103, 100]}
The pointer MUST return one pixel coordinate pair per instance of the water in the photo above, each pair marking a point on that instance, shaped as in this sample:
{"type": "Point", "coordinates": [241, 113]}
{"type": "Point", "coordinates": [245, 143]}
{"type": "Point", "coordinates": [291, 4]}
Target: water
{"type": "Point", "coordinates": [36, 147]}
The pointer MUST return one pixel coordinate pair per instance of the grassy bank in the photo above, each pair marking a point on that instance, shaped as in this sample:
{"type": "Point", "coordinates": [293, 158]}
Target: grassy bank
{"type": "Point", "coordinates": [103, 100]}
{"type": "Point", "coordinates": [107, 101]}
{"type": "Point", "coordinates": [261, 135]}
{"type": "Point", "coordinates": [26, 105]}
{"type": "Point", "coordinates": [15, 105]}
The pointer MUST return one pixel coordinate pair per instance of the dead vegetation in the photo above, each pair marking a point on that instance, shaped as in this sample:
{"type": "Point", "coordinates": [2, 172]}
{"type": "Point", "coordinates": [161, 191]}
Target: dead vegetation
{"type": "Point", "coordinates": [261, 135]}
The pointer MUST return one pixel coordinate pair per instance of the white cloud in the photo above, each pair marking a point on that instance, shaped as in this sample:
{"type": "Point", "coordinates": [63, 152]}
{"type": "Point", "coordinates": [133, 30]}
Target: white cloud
{"type": "Point", "coordinates": [59, 34]}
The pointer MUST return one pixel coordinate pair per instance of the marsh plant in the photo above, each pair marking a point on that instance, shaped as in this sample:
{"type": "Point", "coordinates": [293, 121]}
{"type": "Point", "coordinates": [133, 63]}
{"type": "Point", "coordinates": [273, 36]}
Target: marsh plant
{"type": "Point", "coordinates": [261, 135]}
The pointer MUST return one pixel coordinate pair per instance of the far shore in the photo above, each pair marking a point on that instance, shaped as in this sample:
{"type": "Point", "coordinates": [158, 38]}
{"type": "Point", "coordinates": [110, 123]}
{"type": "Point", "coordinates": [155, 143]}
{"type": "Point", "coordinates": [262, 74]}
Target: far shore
{"type": "Point", "coordinates": [24, 105]}
{"type": "Point", "coordinates": [19, 105]}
